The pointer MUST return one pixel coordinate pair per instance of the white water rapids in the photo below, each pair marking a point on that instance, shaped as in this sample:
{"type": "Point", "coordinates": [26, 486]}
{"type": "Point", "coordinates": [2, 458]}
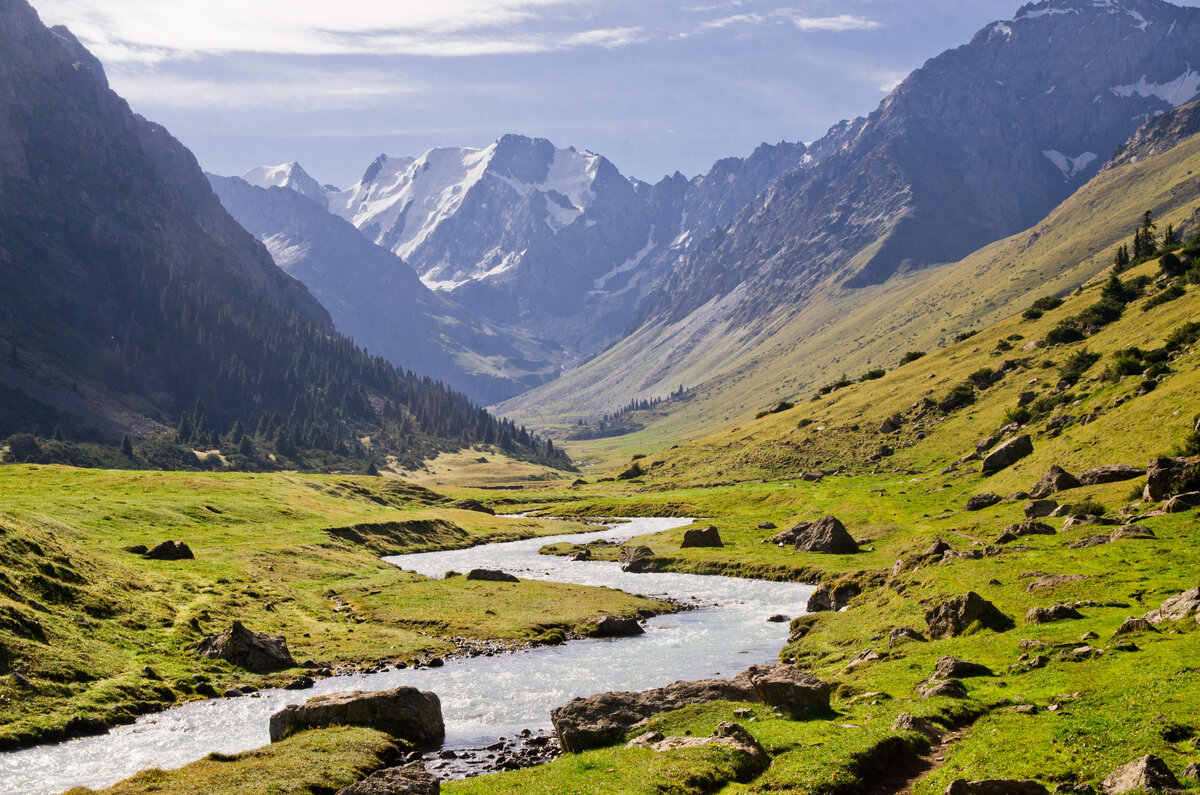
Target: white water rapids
{"type": "Point", "coordinates": [482, 697]}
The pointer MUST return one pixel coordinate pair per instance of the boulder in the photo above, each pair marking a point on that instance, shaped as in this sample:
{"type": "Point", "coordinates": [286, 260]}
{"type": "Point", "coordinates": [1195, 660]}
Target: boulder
{"type": "Point", "coordinates": [1048, 581]}
{"type": "Point", "coordinates": [701, 537]}
{"type": "Point", "coordinates": [1007, 454]}
{"type": "Point", "coordinates": [1029, 527]}
{"type": "Point", "coordinates": [617, 627]}
{"type": "Point", "coordinates": [1178, 607]}
{"type": "Point", "coordinates": [1046, 615]}
{"type": "Point", "coordinates": [907, 722]}
{"type": "Point", "coordinates": [936, 549]}
{"type": "Point", "coordinates": [1113, 473]}
{"type": "Point", "coordinates": [634, 471]}
{"type": "Point", "coordinates": [953, 668]}
{"type": "Point", "coordinates": [727, 734]}
{"type": "Point", "coordinates": [490, 575]}
{"type": "Point", "coordinates": [1055, 480]}
{"type": "Point", "coordinates": [833, 597]}
{"type": "Point", "coordinates": [137, 549]}
{"type": "Point", "coordinates": [1131, 625]}
{"type": "Point", "coordinates": [947, 688]}
{"type": "Point", "coordinates": [1128, 531]}
{"type": "Point", "coordinates": [962, 613]}
{"type": "Point", "coordinates": [995, 786]}
{"type": "Point", "coordinates": [789, 536]}
{"type": "Point", "coordinates": [792, 690]}
{"type": "Point", "coordinates": [980, 501]}
{"type": "Point", "coordinates": [1149, 774]}
{"type": "Point", "coordinates": [473, 505]}
{"type": "Point", "coordinates": [254, 651]}
{"type": "Point", "coordinates": [636, 559]}
{"type": "Point", "coordinates": [1192, 772]}
{"type": "Point", "coordinates": [1038, 509]}
{"type": "Point", "coordinates": [901, 635]}
{"type": "Point", "coordinates": [1182, 502]}
{"type": "Point", "coordinates": [826, 535]}
{"type": "Point", "coordinates": [1163, 476]}
{"type": "Point", "coordinates": [405, 713]}
{"type": "Point", "coordinates": [766, 525]}
{"type": "Point", "coordinates": [169, 550]}
{"type": "Point", "coordinates": [411, 779]}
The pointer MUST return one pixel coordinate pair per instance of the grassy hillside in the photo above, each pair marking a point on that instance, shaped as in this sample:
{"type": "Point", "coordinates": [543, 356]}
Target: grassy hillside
{"type": "Point", "coordinates": [80, 617]}
{"type": "Point", "coordinates": [853, 331]}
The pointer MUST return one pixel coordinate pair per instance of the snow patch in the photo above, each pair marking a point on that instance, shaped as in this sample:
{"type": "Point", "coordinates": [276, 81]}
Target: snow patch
{"type": "Point", "coordinates": [1177, 92]}
{"type": "Point", "coordinates": [999, 29]}
{"type": "Point", "coordinates": [1069, 166]}
{"type": "Point", "coordinates": [627, 265]}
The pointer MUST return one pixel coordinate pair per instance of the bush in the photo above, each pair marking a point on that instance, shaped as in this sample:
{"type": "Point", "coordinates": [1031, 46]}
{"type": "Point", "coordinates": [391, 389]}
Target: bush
{"type": "Point", "coordinates": [1169, 294]}
{"type": "Point", "coordinates": [1181, 336]}
{"type": "Point", "coordinates": [871, 375]}
{"type": "Point", "coordinates": [1064, 333]}
{"type": "Point", "coordinates": [804, 423]}
{"type": "Point", "coordinates": [982, 378]}
{"type": "Point", "coordinates": [1018, 414]}
{"type": "Point", "coordinates": [1077, 364]}
{"type": "Point", "coordinates": [1127, 362]}
{"type": "Point", "coordinates": [1101, 313]}
{"type": "Point", "coordinates": [966, 335]}
{"type": "Point", "coordinates": [911, 356]}
{"type": "Point", "coordinates": [961, 395]}
{"type": "Point", "coordinates": [1046, 303]}
{"type": "Point", "coordinates": [1088, 506]}
{"type": "Point", "coordinates": [1171, 265]}
{"type": "Point", "coordinates": [1031, 314]}
{"type": "Point", "coordinates": [24, 448]}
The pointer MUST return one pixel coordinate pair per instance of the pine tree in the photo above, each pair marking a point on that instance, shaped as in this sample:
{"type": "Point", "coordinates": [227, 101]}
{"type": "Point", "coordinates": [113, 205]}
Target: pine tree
{"type": "Point", "coordinates": [127, 447]}
{"type": "Point", "coordinates": [1169, 237]}
{"type": "Point", "coordinates": [1121, 261]}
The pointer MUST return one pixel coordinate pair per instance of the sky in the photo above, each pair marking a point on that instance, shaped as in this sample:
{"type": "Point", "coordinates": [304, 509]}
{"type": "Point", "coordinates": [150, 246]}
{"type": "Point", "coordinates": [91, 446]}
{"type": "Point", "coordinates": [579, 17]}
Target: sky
{"type": "Point", "coordinates": [654, 85]}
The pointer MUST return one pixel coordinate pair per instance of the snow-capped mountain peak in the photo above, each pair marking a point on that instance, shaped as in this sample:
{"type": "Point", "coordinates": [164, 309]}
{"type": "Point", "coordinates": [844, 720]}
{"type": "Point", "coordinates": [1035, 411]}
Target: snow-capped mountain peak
{"type": "Point", "coordinates": [288, 175]}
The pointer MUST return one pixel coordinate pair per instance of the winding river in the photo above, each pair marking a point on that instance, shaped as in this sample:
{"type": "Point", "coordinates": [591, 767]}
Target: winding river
{"type": "Point", "coordinates": [482, 697]}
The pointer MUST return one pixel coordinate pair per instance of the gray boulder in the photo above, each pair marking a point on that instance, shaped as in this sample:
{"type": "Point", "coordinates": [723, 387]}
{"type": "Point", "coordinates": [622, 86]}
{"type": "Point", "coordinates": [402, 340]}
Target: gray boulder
{"type": "Point", "coordinates": [787, 687]}
{"type": "Point", "coordinates": [946, 688]}
{"type": "Point", "coordinates": [906, 722]}
{"type": "Point", "coordinates": [833, 597]}
{"type": "Point", "coordinates": [254, 651]}
{"type": "Point", "coordinates": [405, 713]}
{"type": "Point", "coordinates": [490, 575]}
{"type": "Point", "coordinates": [1047, 615]}
{"type": "Point", "coordinates": [1131, 625]}
{"type": "Point", "coordinates": [1007, 454]}
{"type": "Point", "coordinates": [636, 559]}
{"type": "Point", "coordinates": [617, 627]}
{"type": "Point", "coordinates": [995, 786]}
{"type": "Point", "coordinates": [1163, 476]}
{"type": "Point", "coordinates": [411, 779]}
{"type": "Point", "coordinates": [1055, 480]}
{"type": "Point", "coordinates": [1178, 607]}
{"type": "Point", "coordinates": [731, 735]}
{"type": "Point", "coordinates": [901, 635]}
{"type": "Point", "coordinates": [1149, 774]}
{"type": "Point", "coordinates": [701, 537]}
{"type": "Point", "coordinates": [826, 535]}
{"type": "Point", "coordinates": [1038, 509]}
{"type": "Point", "coordinates": [953, 668]}
{"type": "Point", "coordinates": [980, 501]}
{"type": "Point", "coordinates": [1182, 502]}
{"type": "Point", "coordinates": [169, 550]}
{"type": "Point", "coordinates": [956, 616]}
{"type": "Point", "coordinates": [1113, 473]}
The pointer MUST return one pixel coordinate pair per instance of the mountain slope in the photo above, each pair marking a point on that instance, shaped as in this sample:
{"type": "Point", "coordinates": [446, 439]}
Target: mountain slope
{"type": "Point", "coordinates": [955, 157]}
{"type": "Point", "coordinates": [374, 297]}
{"type": "Point", "coordinates": [131, 297]}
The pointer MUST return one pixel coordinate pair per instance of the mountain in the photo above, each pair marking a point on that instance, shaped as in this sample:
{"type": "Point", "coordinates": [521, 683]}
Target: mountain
{"type": "Point", "coordinates": [375, 297]}
{"type": "Point", "coordinates": [131, 298]}
{"type": "Point", "coordinates": [981, 142]}
{"type": "Point", "coordinates": [551, 248]}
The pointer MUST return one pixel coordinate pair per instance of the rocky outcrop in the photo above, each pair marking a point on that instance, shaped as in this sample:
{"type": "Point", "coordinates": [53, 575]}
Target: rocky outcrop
{"type": "Point", "coordinates": [946, 688]}
{"type": "Point", "coordinates": [1178, 607]}
{"type": "Point", "coordinates": [1113, 473]}
{"type": "Point", "coordinates": [901, 635]}
{"type": "Point", "coordinates": [491, 575]}
{"type": "Point", "coordinates": [1128, 531]}
{"type": "Point", "coordinates": [254, 651]}
{"type": "Point", "coordinates": [980, 501]}
{"type": "Point", "coordinates": [602, 719]}
{"type": "Point", "coordinates": [995, 786]}
{"type": "Point", "coordinates": [1149, 774]}
{"type": "Point", "coordinates": [405, 713]}
{"type": "Point", "coordinates": [169, 550]}
{"type": "Point", "coordinates": [473, 505]}
{"type": "Point", "coordinates": [906, 722]}
{"type": "Point", "coordinates": [961, 614]}
{"type": "Point", "coordinates": [826, 535]}
{"type": "Point", "coordinates": [636, 559]}
{"type": "Point", "coordinates": [1132, 625]}
{"type": "Point", "coordinates": [701, 537]}
{"type": "Point", "coordinates": [1055, 480]}
{"type": "Point", "coordinates": [1029, 527]}
{"type": "Point", "coordinates": [731, 735]}
{"type": "Point", "coordinates": [411, 779]}
{"type": "Point", "coordinates": [1164, 477]}
{"type": "Point", "coordinates": [1007, 454]}
{"type": "Point", "coordinates": [832, 597]}
{"type": "Point", "coordinates": [1038, 509]}
{"type": "Point", "coordinates": [1182, 502]}
{"type": "Point", "coordinates": [617, 627]}
{"type": "Point", "coordinates": [953, 668]}
{"type": "Point", "coordinates": [1047, 615]}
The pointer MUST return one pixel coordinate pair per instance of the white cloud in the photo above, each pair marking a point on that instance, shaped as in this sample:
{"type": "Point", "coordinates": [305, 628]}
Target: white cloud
{"type": "Point", "coordinates": [835, 24]}
{"type": "Point", "coordinates": [153, 30]}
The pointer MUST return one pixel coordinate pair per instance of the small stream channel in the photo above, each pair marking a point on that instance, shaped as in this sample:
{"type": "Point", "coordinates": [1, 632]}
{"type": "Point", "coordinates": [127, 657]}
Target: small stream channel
{"type": "Point", "coordinates": [482, 697]}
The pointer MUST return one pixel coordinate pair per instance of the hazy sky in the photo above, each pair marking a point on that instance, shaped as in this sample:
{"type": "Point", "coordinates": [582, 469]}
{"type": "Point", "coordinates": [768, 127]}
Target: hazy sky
{"type": "Point", "coordinates": [655, 85]}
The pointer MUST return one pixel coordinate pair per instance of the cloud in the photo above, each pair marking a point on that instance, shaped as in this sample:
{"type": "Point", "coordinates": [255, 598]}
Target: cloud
{"type": "Point", "coordinates": [148, 31]}
{"type": "Point", "coordinates": [835, 24]}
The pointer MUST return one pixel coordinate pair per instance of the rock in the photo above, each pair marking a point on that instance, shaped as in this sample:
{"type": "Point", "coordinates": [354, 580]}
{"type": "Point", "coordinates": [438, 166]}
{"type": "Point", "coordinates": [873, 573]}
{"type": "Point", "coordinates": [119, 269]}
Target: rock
{"type": "Point", "coordinates": [980, 501]}
{"type": "Point", "coordinates": [1112, 473]}
{"type": "Point", "coordinates": [405, 713]}
{"type": "Point", "coordinates": [1079, 654]}
{"type": "Point", "coordinates": [1029, 527]}
{"type": "Point", "coordinates": [832, 597]}
{"type": "Point", "coordinates": [490, 575]}
{"type": "Point", "coordinates": [170, 550]}
{"type": "Point", "coordinates": [778, 618]}
{"type": "Point", "coordinates": [137, 549]}
{"type": "Point", "coordinates": [986, 443]}
{"type": "Point", "coordinates": [254, 651]}
{"type": "Point", "coordinates": [1148, 773]}
{"type": "Point", "coordinates": [936, 549]}
{"type": "Point", "coordinates": [473, 505]}
{"type": "Point", "coordinates": [826, 535]}
{"type": "Point", "coordinates": [1014, 496]}
{"type": "Point", "coordinates": [962, 613]}
{"type": "Point", "coordinates": [1192, 772]}
{"type": "Point", "coordinates": [1007, 454]}
{"type": "Point", "coordinates": [634, 471]}
{"type": "Point", "coordinates": [1131, 625]}
{"type": "Point", "coordinates": [995, 786]}
{"type": "Point", "coordinates": [233, 692]}
{"type": "Point", "coordinates": [1038, 509]}
{"type": "Point", "coordinates": [636, 559]}
{"type": "Point", "coordinates": [1025, 398]}
{"type": "Point", "coordinates": [411, 779]}
{"type": "Point", "coordinates": [786, 686]}
{"type": "Point", "coordinates": [1055, 480]}
{"type": "Point", "coordinates": [1162, 478]}
{"type": "Point", "coordinates": [1046, 615]}
{"type": "Point", "coordinates": [727, 734]}
{"type": "Point", "coordinates": [953, 668]}
{"type": "Point", "coordinates": [1059, 421]}
{"type": "Point", "coordinates": [300, 683]}
{"type": "Point", "coordinates": [150, 673]}
{"type": "Point", "coordinates": [909, 723]}
{"type": "Point", "coordinates": [617, 627]}
{"type": "Point", "coordinates": [766, 525]}
{"type": "Point", "coordinates": [948, 688]}
{"type": "Point", "coordinates": [1178, 607]}
{"type": "Point", "coordinates": [1048, 581]}
{"type": "Point", "coordinates": [901, 635]}
{"type": "Point", "coordinates": [1128, 531]}
{"type": "Point", "coordinates": [701, 537]}
{"type": "Point", "coordinates": [1182, 502]}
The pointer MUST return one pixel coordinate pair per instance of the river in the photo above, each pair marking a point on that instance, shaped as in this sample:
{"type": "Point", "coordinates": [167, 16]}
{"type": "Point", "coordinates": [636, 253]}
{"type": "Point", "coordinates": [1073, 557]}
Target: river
{"type": "Point", "coordinates": [482, 697]}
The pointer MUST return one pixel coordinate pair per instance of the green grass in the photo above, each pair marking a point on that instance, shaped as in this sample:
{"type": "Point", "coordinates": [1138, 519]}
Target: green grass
{"type": "Point", "coordinates": [295, 555]}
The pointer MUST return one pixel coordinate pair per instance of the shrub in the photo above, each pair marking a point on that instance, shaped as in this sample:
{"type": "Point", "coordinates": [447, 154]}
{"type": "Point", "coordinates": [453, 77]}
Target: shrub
{"type": "Point", "coordinates": [871, 375]}
{"type": "Point", "coordinates": [1031, 314]}
{"type": "Point", "coordinates": [23, 448]}
{"type": "Point", "coordinates": [966, 335]}
{"type": "Point", "coordinates": [1181, 336]}
{"type": "Point", "coordinates": [1077, 364]}
{"type": "Point", "coordinates": [1046, 303]}
{"type": "Point", "coordinates": [1101, 313]}
{"type": "Point", "coordinates": [1170, 264]}
{"type": "Point", "coordinates": [1088, 506]}
{"type": "Point", "coordinates": [1063, 333]}
{"type": "Point", "coordinates": [911, 356]}
{"type": "Point", "coordinates": [1169, 294]}
{"type": "Point", "coordinates": [804, 423]}
{"type": "Point", "coordinates": [1017, 414]}
{"type": "Point", "coordinates": [1127, 362]}
{"type": "Point", "coordinates": [982, 378]}
{"type": "Point", "coordinates": [961, 395]}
